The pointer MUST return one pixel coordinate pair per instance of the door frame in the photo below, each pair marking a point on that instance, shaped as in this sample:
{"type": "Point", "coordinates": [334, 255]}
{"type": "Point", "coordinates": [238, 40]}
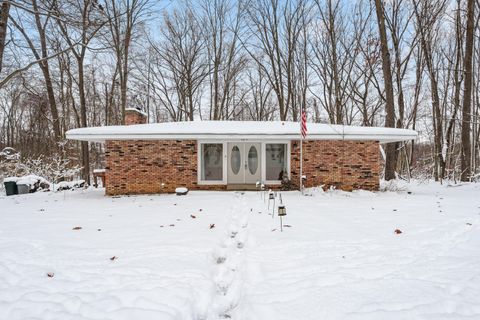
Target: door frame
{"type": "Point", "coordinates": [199, 163]}
{"type": "Point", "coordinates": [262, 167]}
{"type": "Point", "coordinates": [244, 173]}
{"type": "Point", "coordinates": [264, 161]}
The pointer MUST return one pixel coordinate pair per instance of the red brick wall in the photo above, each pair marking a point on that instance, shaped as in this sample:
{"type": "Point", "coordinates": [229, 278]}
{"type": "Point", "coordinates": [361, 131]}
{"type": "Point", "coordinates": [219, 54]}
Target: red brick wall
{"type": "Point", "coordinates": [346, 165]}
{"type": "Point", "coordinates": [135, 167]}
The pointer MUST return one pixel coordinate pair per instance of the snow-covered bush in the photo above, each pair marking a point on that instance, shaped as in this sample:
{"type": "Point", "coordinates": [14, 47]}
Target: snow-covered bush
{"type": "Point", "coordinates": [52, 169]}
{"type": "Point", "coordinates": [69, 185]}
{"type": "Point", "coordinates": [9, 154]}
{"type": "Point", "coordinates": [393, 185]}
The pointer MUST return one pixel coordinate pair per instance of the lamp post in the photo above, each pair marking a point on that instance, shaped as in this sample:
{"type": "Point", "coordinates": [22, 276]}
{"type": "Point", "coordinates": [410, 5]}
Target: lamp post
{"type": "Point", "coordinates": [282, 211]}
{"type": "Point", "coordinates": [271, 196]}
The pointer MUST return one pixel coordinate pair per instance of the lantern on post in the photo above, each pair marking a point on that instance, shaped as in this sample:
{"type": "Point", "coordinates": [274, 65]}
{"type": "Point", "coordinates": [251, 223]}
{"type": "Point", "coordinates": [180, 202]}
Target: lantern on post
{"type": "Point", "coordinates": [271, 197]}
{"type": "Point", "coordinates": [282, 212]}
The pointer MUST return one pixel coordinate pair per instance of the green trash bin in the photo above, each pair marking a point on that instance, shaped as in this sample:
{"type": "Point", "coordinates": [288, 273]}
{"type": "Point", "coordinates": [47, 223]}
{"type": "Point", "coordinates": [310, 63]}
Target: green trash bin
{"type": "Point", "coordinates": [10, 188]}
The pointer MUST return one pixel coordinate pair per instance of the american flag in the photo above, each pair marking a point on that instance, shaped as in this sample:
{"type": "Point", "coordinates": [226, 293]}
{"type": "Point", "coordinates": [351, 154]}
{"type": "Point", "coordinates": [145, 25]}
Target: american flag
{"type": "Point", "coordinates": [303, 124]}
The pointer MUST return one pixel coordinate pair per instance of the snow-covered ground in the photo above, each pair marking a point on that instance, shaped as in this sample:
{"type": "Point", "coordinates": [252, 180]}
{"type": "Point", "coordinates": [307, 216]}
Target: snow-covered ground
{"type": "Point", "coordinates": [220, 255]}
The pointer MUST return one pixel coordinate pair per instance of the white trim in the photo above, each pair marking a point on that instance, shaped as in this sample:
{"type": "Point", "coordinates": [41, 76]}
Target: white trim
{"type": "Point", "coordinates": [199, 163]}
{"type": "Point", "coordinates": [382, 138]}
{"type": "Point", "coordinates": [231, 130]}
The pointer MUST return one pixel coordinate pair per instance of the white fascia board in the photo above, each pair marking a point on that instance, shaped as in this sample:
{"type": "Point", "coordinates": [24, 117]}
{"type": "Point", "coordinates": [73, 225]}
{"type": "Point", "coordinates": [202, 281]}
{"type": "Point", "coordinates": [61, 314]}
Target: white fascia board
{"type": "Point", "coordinates": [382, 138]}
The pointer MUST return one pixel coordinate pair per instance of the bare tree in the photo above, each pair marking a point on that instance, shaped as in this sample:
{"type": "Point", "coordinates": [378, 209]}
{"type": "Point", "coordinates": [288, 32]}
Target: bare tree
{"type": "Point", "coordinates": [81, 24]}
{"type": "Point", "coordinates": [4, 10]}
{"type": "Point", "coordinates": [257, 102]}
{"type": "Point", "coordinates": [181, 64]}
{"type": "Point", "coordinates": [123, 17]}
{"type": "Point", "coordinates": [388, 83]}
{"type": "Point", "coordinates": [334, 56]}
{"type": "Point", "coordinates": [467, 93]}
{"type": "Point", "coordinates": [427, 18]}
{"type": "Point", "coordinates": [277, 30]}
{"type": "Point", "coordinates": [222, 25]}
{"type": "Point", "coordinates": [41, 53]}
{"type": "Point", "coordinates": [456, 64]}
{"type": "Point", "coordinates": [365, 89]}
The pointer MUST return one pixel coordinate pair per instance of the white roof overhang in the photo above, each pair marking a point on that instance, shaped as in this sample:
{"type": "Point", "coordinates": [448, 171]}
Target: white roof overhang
{"type": "Point", "coordinates": [238, 130]}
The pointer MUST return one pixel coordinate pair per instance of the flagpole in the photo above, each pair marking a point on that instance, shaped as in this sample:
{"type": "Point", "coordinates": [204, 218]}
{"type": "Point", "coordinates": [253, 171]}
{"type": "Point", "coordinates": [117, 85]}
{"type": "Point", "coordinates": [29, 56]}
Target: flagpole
{"type": "Point", "coordinates": [303, 134]}
{"type": "Point", "coordinates": [301, 163]}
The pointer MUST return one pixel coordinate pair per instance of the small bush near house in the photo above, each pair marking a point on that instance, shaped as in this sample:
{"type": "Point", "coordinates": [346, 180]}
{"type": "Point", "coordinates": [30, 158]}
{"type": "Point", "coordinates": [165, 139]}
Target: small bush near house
{"type": "Point", "coordinates": [38, 172]}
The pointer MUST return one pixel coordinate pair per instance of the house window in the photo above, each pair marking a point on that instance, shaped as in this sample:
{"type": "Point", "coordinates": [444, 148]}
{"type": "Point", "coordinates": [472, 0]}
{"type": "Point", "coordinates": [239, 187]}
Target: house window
{"type": "Point", "coordinates": [275, 161]}
{"type": "Point", "coordinates": [235, 160]}
{"type": "Point", "coordinates": [212, 162]}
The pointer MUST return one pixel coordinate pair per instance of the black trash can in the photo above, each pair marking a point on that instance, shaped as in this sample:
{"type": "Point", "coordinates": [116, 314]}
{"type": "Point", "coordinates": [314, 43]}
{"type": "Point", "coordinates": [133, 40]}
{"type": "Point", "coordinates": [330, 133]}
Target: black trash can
{"type": "Point", "coordinates": [10, 188]}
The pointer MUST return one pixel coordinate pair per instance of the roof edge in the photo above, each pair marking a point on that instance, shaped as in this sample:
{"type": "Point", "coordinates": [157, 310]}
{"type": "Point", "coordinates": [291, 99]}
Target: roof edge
{"type": "Point", "coordinates": [382, 138]}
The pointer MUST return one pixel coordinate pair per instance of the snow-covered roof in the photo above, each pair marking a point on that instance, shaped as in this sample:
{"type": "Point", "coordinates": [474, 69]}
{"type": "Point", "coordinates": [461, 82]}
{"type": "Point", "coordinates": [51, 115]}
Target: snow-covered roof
{"type": "Point", "coordinates": [261, 130]}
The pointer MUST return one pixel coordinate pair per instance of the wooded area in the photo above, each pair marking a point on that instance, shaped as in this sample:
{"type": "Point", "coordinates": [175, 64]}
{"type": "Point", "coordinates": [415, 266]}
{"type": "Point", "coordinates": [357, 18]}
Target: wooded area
{"type": "Point", "coordinates": [397, 63]}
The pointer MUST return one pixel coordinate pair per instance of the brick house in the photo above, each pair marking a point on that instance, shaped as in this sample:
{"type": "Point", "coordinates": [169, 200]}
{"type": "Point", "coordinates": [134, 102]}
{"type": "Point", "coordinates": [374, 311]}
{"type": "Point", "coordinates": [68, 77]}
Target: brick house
{"type": "Point", "coordinates": [235, 155]}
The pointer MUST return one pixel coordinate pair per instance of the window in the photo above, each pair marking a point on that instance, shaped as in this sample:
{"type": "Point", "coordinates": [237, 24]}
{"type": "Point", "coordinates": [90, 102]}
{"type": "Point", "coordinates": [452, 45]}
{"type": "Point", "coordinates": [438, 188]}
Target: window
{"type": "Point", "coordinates": [235, 160]}
{"type": "Point", "coordinates": [252, 160]}
{"type": "Point", "coordinates": [275, 161]}
{"type": "Point", "coordinates": [212, 162]}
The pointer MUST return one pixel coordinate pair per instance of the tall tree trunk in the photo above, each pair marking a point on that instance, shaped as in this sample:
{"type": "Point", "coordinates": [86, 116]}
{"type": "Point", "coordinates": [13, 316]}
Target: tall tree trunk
{"type": "Point", "coordinates": [46, 72]}
{"type": "Point", "coordinates": [4, 9]}
{"type": "Point", "coordinates": [399, 79]}
{"type": "Point", "coordinates": [52, 101]}
{"type": "Point", "coordinates": [41, 55]}
{"type": "Point", "coordinates": [387, 78]}
{"type": "Point", "coordinates": [457, 88]}
{"type": "Point", "coordinates": [425, 31]}
{"type": "Point", "coordinates": [83, 119]}
{"type": "Point", "coordinates": [467, 95]}
{"type": "Point", "coordinates": [336, 80]}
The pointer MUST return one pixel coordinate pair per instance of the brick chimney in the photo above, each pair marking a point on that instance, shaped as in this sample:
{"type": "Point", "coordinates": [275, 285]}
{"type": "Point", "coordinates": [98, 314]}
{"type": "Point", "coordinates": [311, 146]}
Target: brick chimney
{"type": "Point", "coordinates": [135, 116]}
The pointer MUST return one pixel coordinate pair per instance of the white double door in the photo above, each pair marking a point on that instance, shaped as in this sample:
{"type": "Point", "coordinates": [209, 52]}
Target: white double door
{"type": "Point", "coordinates": [244, 162]}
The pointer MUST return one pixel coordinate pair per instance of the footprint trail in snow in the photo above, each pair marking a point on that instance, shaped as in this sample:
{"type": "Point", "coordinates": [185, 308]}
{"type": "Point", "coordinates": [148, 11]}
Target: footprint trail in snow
{"type": "Point", "coordinates": [229, 263]}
